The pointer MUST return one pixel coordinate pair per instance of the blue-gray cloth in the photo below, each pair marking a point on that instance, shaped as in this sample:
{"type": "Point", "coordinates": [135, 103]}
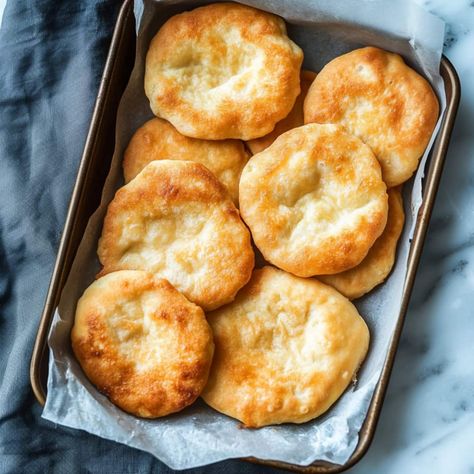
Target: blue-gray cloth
{"type": "Point", "coordinates": [51, 58]}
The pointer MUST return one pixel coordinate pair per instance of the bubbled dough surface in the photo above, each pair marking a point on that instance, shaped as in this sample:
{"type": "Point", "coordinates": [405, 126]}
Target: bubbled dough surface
{"type": "Point", "coordinates": [292, 120]}
{"type": "Point", "coordinates": [142, 343]}
{"type": "Point", "coordinates": [223, 71]}
{"type": "Point", "coordinates": [176, 219]}
{"type": "Point", "coordinates": [314, 200]}
{"type": "Point", "coordinates": [157, 139]}
{"type": "Point", "coordinates": [381, 100]}
{"type": "Point", "coordinates": [378, 263]}
{"type": "Point", "coordinates": [286, 349]}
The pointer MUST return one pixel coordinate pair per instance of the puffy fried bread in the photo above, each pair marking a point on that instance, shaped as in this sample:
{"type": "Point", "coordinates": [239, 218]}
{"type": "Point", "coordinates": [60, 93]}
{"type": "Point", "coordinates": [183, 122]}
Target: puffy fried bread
{"type": "Point", "coordinates": [286, 349]}
{"type": "Point", "coordinates": [142, 343]}
{"type": "Point", "coordinates": [381, 100]}
{"type": "Point", "coordinates": [223, 71]}
{"type": "Point", "coordinates": [176, 219]}
{"type": "Point", "coordinates": [314, 200]}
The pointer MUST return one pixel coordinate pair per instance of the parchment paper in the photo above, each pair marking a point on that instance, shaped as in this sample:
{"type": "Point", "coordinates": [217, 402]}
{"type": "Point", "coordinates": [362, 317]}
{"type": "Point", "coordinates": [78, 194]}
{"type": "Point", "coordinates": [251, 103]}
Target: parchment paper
{"type": "Point", "coordinates": [199, 435]}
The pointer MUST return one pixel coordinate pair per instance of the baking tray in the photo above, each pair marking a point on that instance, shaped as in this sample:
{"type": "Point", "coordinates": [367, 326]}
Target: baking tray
{"type": "Point", "coordinates": [93, 169]}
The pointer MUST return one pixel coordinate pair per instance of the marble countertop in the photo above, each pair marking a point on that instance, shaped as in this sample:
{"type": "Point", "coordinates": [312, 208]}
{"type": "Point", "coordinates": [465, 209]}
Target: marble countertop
{"type": "Point", "coordinates": [427, 422]}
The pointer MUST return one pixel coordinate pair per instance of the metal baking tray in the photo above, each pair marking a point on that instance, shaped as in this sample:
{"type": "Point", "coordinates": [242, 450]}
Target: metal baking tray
{"type": "Point", "coordinates": [93, 169]}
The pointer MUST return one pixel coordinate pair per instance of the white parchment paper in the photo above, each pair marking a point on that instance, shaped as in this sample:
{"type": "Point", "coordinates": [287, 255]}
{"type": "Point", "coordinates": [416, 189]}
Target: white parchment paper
{"type": "Point", "coordinates": [199, 435]}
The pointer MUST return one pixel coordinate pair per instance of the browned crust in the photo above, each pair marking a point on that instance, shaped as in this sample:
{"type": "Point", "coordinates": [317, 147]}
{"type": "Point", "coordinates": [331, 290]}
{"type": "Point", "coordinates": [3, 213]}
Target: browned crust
{"type": "Point", "coordinates": [404, 107]}
{"type": "Point", "coordinates": [157, 139]}
{"type": "Point", "coordinates": [292, 120]}
{"type": "Point", "coordinates": [179, 191]}
{"type": "Point", "coordinates": [164, 387]}
{"type": "Point", "coordinates": [352, 168]}
{"type": "Point", "coordinates": [378, 263]}
{"type": "Point", "coordinates": [266, 328]}
{"type": "Point", "coordinates": [234, 115]}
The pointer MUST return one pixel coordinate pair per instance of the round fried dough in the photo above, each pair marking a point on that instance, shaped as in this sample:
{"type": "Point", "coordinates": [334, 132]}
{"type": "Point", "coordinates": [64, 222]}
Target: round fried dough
{"type": "Point", "coordinates": [378, 263]}
{"type": "Point", "coordinates": [381, 100]}
{"type": "Point", "coordinates": [142, 343]}
{"type": "Point", "coordinates": [176, 219]}
{"type": "Point", "coordinates": [157, 139]}
{"type": "Point", "coordinates": [314, 200]}
{"type": "Point", "coordinates": [292, 120]}
{"type": "Point", "coordinates": [286, 349]}
{"type": "Point", "coordinates": [223, 71]}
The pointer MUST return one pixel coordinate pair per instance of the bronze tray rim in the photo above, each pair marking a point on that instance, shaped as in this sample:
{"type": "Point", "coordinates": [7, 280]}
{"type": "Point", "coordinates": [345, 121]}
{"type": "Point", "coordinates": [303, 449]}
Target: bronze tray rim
{"type": "Point", "coordinates": [432, 179]}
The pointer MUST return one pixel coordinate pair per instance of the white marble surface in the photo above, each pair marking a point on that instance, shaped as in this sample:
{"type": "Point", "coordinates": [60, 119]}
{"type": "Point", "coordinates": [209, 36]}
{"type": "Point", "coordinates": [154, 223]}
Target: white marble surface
{"type": "Point", "coordinates": [427, 422]}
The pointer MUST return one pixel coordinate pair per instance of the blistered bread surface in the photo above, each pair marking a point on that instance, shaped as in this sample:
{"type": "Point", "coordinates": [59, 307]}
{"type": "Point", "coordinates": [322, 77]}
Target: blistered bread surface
{"type": "Point", "coordinates": [286, 349]}
{"type": "Point", "coordinates": [381, 100]}
{"type": "Point", "coordinates": [157, 139]}
{"type": "Point", "coordinates": [142, 343]}
{"type": "Point", "coordinates": [223, 71]}
{"type": "Point", "coordinates": [176, 219]}
{"type": "Point", "coordinates": [314, 200]}
{"type": "Point", "coordinates": [378, 263]}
